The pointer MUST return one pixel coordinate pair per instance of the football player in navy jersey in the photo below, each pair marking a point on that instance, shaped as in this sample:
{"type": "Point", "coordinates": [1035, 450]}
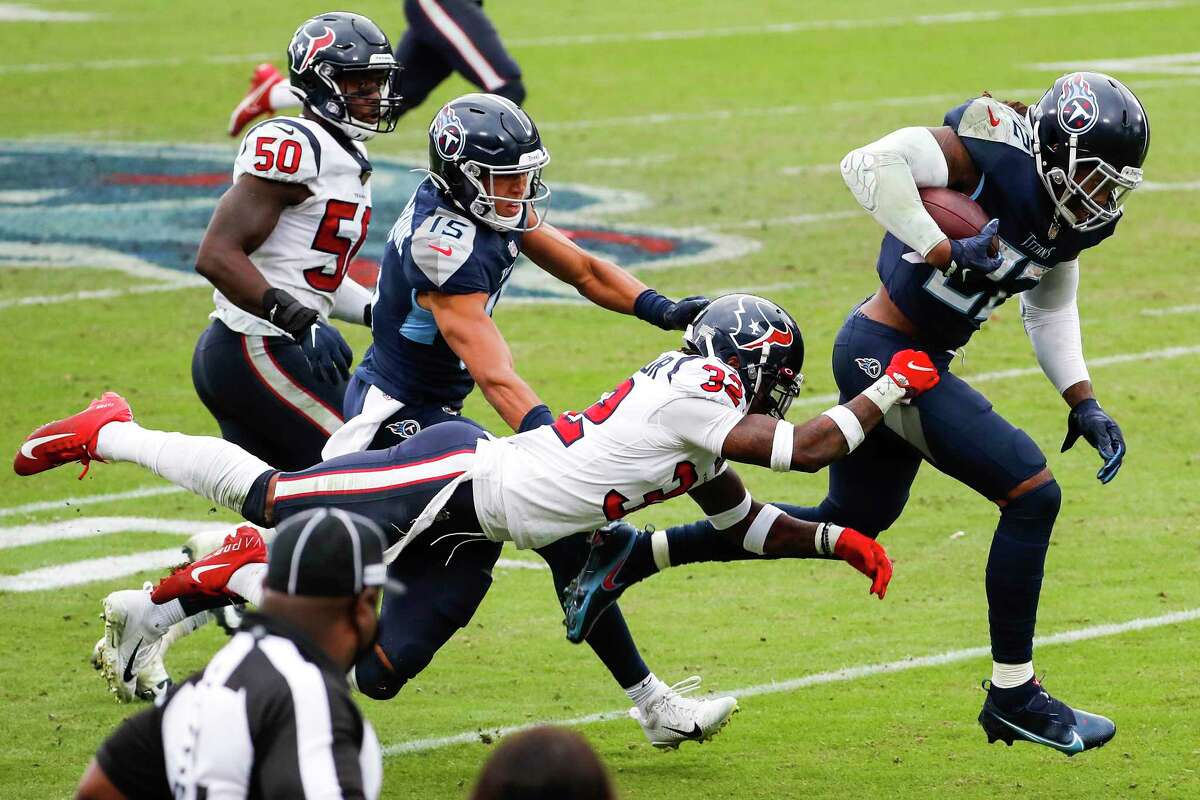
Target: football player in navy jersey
{"type": "Point", "coordinates": [1054, 177]}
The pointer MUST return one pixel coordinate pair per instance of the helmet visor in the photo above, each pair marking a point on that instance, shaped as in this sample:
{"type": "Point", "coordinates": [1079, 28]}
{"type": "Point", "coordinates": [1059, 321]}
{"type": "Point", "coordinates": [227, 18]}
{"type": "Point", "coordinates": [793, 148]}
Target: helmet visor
{"type": "Point", "coordinates": [511, 197]}
{"type": "Point", "coordinates": [369, 96]}
{"type": "Point", "coordinates": [1095, 191]}
{"type": "Point", "coordinates": [776, 391]}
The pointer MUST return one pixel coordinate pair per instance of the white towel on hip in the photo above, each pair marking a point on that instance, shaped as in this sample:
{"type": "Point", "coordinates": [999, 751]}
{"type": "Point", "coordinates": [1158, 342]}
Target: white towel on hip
{"type": "Point", "coordinates": [356, 433]}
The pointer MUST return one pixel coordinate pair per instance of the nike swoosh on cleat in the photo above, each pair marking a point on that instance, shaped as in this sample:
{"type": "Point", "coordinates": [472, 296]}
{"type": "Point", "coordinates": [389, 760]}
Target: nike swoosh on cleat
{"type": "Point", "coordinates": [1076, 744]}
{"type": "Point", "coordinates": [608, 583]}
{"type": "Point", "coordinates": [911, 365]}
{"type": "Point", "coordinates": [27, 448]}
{"type": "Point", "coordinates": [695, 733]}
{"type": "Point", "coordinates": [198, 571]}
{"type": "Point", "coordinates": [128, 674]}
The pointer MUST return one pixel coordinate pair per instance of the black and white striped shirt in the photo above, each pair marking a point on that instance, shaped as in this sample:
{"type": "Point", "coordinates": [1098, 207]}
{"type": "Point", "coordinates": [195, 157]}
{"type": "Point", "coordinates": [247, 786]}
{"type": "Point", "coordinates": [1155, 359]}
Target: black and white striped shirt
{"type": "Point", "coordinates": [270, 717]}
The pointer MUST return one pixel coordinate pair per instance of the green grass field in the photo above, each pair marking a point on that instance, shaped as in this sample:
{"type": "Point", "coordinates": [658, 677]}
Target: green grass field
{"type": "Point", "coordinates": [733, 129]}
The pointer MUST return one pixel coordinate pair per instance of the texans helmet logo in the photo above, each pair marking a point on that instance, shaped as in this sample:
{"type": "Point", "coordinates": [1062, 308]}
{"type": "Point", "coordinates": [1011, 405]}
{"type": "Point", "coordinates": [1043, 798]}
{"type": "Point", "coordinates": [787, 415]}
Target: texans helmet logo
{"type": "Point", "coordinates": [758, 325]}
{"type": "Point", "coordinates": [448, 134]}
{"type": "Point", "coordinates": [1077, 106]}
{"type": "Point", "coordinates": [315, 45]}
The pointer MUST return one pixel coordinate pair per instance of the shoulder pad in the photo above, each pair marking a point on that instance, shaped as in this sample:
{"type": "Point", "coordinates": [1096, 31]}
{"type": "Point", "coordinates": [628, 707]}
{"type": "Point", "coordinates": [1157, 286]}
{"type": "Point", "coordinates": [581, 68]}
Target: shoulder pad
{"type": "Point", "coordinates": [989, 120]}
{"type": "Point", "coordinates": [280, 149]}
{"type": "Point", "coordinates": [441, 244]}
{"type": "Point", "coordinates": [707, 378]}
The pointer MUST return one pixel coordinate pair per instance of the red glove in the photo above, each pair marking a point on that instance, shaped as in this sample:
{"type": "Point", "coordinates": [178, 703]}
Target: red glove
{"type": "Point", "coordinates": [912, 370]}
{"type": "Point", "coordinates": [867, 556]}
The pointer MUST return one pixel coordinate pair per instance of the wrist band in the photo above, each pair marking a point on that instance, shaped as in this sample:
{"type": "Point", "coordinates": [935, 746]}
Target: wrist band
{"type": "Point", "coordinates": [652, 307]}
{"type": "Point", "coordinates": [826, 538]}
{"type": "Point", "coordinates": [756, 536]}
{"type": "Point", "coordinates": [782, 446]}
{"type": "Point", "coordinates": [727, 519]}
{"type": "Point", "coordinates": [848, 424]}
{"type": "Point", "coordinates": [884, 393]}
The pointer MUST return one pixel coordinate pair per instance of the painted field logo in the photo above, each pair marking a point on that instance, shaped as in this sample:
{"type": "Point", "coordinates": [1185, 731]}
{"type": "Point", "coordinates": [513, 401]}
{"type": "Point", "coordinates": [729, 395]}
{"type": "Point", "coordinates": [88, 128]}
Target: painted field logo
{"type": "Point", "coordinates": [143, 209]}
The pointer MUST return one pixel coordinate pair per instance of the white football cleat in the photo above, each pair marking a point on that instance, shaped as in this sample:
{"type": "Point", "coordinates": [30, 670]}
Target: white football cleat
{"type": "Point", "coordinates": [673, 719]}
{"type": "Point", "coordinates": [130, 644]}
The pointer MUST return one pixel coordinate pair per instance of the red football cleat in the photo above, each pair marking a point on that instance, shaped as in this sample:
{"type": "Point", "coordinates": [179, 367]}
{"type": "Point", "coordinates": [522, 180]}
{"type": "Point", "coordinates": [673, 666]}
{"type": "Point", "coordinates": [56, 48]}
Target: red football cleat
{"type": "Point", "coordinates": [70, 439]}
{"type": "Point", "coordinates": [258, 100]}
{"type": "Point", "coordinates": [209, 575]}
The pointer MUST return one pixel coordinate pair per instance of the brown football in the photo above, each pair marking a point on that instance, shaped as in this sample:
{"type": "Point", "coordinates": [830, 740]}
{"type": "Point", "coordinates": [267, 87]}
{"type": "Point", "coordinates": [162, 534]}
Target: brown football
{"type": "Point", "coordinates": [956, 214]}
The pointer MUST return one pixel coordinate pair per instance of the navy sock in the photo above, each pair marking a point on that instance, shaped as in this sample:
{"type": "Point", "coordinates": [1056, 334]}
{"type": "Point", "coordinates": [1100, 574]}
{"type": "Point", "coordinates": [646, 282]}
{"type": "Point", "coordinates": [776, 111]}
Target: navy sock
{"type": "Point", "coordinates": [699, 541]}
{"type": "Point", "coordinates": [194, 604]}
{"type": "Point", "coordinates": [1014, 571]}
{"type": "Point", "coordinates": [610, 638]}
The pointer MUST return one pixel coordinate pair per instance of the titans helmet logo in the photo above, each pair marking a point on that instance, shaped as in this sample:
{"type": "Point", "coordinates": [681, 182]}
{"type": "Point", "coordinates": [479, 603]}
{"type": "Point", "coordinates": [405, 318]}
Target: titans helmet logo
{"type": "Point", "coordinates": [1077, 106]}
{"type": "Point", "coordinates": [449, 136]}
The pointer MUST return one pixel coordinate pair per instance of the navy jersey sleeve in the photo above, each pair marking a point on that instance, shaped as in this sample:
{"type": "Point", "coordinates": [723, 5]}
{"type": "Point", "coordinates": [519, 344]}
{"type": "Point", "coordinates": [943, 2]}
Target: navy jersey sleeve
{"type": "Point", "coordinates": [441, 256]}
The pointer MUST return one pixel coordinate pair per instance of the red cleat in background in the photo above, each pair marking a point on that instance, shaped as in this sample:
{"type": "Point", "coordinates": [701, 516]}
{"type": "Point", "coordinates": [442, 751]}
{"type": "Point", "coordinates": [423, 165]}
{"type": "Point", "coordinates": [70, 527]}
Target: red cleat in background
{"type": "Point", "coordinates": [70, 439]}
{"type": "Point", "coordinates": [258, 100]}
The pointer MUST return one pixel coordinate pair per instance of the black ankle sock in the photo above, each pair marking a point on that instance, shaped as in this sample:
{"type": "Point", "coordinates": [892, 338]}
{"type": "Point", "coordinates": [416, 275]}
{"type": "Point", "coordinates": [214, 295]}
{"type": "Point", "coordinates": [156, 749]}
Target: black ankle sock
{"type": "Point", "coordinates": [1015, 697]}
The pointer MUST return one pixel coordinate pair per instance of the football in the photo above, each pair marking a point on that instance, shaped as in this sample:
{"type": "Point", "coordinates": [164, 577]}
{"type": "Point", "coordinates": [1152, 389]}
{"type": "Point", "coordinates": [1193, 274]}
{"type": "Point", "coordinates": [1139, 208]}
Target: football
{"type": "Point", "coordinates": [956, 214]}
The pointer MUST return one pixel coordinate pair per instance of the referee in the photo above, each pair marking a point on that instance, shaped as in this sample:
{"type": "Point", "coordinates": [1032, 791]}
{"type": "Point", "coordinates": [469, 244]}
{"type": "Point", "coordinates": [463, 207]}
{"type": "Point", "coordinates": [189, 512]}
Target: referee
{"type": "Point", "coordinates": [271, 715]}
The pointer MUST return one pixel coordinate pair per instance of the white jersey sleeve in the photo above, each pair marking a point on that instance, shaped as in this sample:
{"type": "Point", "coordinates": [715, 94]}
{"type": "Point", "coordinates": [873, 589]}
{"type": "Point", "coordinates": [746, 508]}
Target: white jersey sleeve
{"type": "Point", "coordinates": [278, 151]}
{"type": "Point", "coordinates": [707, 400]}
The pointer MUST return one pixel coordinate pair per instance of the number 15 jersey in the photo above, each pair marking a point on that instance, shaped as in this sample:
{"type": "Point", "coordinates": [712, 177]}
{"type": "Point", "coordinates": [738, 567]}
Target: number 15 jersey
{"type": "Point", "coordinates": [313, 243]}
{"type": "Point", "coordinates": [654, 437]}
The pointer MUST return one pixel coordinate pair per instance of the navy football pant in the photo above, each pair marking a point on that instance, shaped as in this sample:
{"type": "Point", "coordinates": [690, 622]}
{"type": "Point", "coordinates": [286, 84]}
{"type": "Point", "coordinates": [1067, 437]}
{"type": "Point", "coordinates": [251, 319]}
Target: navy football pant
{"type": "Point", "coordinates": [405, 423]}
{"type": "Point", "coordinates": [955, 429]}
{"type": "Point", "coordinates": [447, 36]}
{"type": "Point", "coordinates": [447, 571]}
{"type": "Point", "coordinates": [265, 396]}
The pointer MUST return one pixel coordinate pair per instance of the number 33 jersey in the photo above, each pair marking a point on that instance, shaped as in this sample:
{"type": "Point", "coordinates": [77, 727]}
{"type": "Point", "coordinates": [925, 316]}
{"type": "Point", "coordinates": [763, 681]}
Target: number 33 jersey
{"type": "Point", "coordinates": [654, 437]}
{"type": "Point", "coordinates": [313, 243]}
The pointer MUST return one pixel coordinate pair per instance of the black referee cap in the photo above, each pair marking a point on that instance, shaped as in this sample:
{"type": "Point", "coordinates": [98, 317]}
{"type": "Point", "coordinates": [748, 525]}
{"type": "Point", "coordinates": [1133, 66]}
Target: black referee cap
{"type": "Point", "coordinates": [327, 552]}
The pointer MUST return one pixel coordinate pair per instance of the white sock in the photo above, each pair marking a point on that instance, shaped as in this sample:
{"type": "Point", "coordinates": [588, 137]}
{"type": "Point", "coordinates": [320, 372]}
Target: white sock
{"type": "Point", "coordinates": [162, 617]}
{"type": "Point", "coordinates": [248, 582]}
{"type": "Point", "coordinates": [281, 97]}
{"type": "Point", "coordinates": [660, 549]}
{"type": "Point", "coordinates": [1010, 676]}
{"type": "Point", "coordinates": [646, 691]}
{"type": "Point", "coordinates": [185, 628]}
{"type": "Point", "coordinates": [209, 467]}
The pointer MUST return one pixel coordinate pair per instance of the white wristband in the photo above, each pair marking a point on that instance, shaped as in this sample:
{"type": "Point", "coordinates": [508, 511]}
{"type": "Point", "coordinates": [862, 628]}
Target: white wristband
{"type": "Point", "coordinates": [884, 393]}
{"type": "Point", "coordinates": [727, 519]}
{"type": "Point", "coordinates": [848, 424]}
{"type": "Point", "coordinates": [756, 536]}
{"type": "Point", "coordinates": [782, 446]}
{"type": "Point", "coordinates": [827, 537]}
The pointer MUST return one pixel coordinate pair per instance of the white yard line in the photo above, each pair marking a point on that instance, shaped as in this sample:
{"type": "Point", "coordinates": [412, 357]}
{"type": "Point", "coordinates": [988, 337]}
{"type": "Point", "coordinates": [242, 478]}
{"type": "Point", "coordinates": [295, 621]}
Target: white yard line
{"type": "Point", "coordinates": [93, 569]}
{"type": "Point", "coordinates": [1161, 186]}
{"type": "Point", "coordinates": [817, 679]}
{"type": "Point", "coordinates": [14, 12]}
{"type": "Point", "coordinates": [89, 499]}
{"type": "Point", "coordinates": [87, 527]}
{"type": "Point", "coordinates": [1163, 312]}
{"type": "Point", "coordinates": [91, 294]}
{"type": "Point", "coordinates": [1005, 374]}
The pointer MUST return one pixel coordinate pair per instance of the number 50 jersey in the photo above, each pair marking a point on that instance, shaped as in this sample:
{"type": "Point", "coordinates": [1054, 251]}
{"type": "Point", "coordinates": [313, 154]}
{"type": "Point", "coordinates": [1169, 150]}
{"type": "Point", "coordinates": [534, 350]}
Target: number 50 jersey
{"type": "Point", "coordinates": [313, 243]}
{"type": "Point", "coordinates": [654, 437]}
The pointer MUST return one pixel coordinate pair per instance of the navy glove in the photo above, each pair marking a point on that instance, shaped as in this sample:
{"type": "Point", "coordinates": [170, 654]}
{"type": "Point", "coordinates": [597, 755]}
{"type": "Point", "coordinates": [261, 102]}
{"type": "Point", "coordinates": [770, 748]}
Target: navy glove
{"type": "Point", "coordinates": [327, 352]}
{"type": "Point", "coordinates": [1087, 419]}
{"type": "Point", "coordinates": [972, 254]}
{"type": "Point", "coordinates": [652, 307]}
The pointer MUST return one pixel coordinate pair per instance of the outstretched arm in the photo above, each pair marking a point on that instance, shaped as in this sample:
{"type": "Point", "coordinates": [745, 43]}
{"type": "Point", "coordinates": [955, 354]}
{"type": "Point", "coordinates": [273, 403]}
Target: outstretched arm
{"type": "Point", "coordinates": [463, 321]}
{"type": "Point", "coordinates": [603, 282]}
{"type": "Point", "coordinates": [813, 445]}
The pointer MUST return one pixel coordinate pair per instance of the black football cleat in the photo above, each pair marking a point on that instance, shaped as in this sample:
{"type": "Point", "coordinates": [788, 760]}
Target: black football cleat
{"type": "Point", "coordinates": [1046, 721]}
{"type": "Point", "coordinates": [598, 585]}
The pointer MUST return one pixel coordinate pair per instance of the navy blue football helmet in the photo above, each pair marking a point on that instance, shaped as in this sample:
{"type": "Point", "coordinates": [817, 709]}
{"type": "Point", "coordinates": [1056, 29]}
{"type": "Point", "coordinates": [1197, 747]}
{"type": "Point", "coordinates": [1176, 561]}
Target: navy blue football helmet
{"type": "Point", "coordinates": [764, 340]}
{"type": "Point", "coordinates": [337, 45]}
{"type": "Point", "coordinates": [477, 137]}
{"type": "Point", "coordinates": [1090, 138]}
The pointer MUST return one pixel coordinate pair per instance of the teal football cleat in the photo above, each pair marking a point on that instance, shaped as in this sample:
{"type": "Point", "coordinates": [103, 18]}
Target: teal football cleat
{"type": "Point", "coordinates": [1046, 721]}
{"type": "Point", "coordinates": [599, 583]}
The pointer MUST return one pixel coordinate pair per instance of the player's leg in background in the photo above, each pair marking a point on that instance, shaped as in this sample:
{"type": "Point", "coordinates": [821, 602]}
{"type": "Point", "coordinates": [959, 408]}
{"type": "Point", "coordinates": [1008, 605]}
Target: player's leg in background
{"type": "Point", "coordinates": [424, 68]}
{"type": "Point", "coordinates": [610, 639]}
{"type": "Point", "coordinates": [467, 40]}
{"type": "Point", "coordinates": [446, 578]}
{"type": "Point", "coordinates": [263, 391]}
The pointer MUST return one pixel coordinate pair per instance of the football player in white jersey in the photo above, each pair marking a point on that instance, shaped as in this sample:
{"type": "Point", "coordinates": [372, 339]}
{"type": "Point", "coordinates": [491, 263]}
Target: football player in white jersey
{"type": "Point", "coordinates": [270, 367]}
{"type": "Point", "coordinates": [667, 430]}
